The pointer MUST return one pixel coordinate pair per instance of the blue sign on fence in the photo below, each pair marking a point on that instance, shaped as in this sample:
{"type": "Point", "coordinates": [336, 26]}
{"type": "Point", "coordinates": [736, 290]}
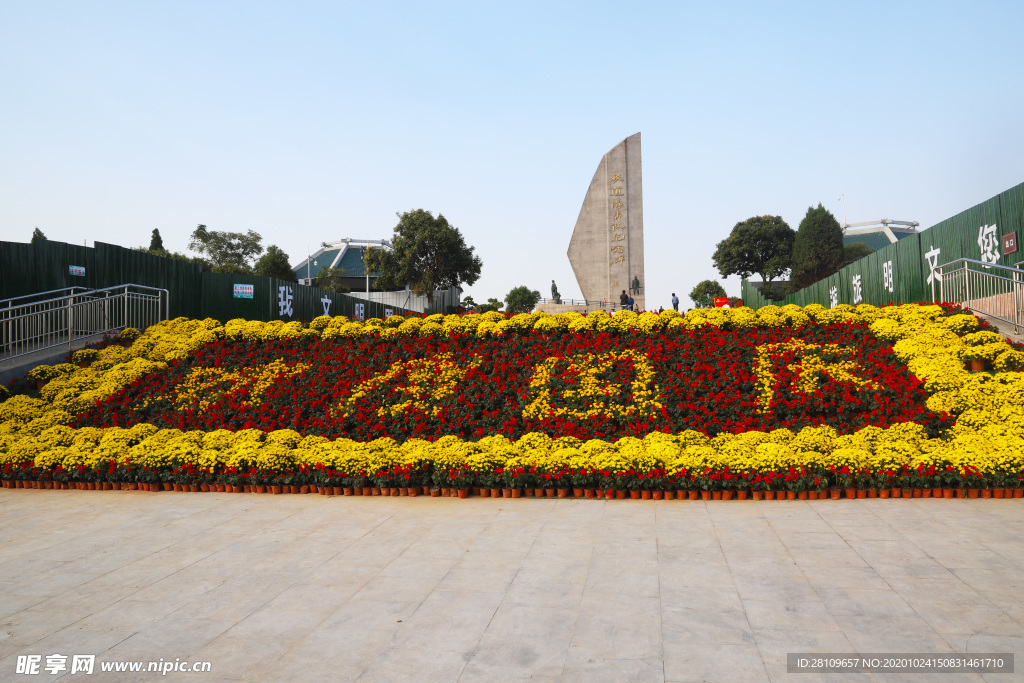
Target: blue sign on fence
{"type": "Point", "coordinates": [243, 291]}
{"type": "Point", "coordinates": [78, 271]}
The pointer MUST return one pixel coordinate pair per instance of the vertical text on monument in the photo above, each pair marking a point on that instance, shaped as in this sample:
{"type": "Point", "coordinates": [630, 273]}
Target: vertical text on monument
{"type": "Point", "coordinates": [606, 250]}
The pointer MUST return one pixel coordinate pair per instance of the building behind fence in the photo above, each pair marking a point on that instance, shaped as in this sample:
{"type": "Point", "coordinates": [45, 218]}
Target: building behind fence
{"type": "Point", "coordinates": [905, 272]}
{"type": "Point", "coordinates": [47, 265]}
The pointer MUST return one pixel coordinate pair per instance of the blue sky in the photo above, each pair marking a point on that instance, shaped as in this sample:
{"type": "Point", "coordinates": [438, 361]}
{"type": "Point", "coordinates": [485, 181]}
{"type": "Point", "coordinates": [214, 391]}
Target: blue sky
{"type": "Point", "coordinates": [315, 121]}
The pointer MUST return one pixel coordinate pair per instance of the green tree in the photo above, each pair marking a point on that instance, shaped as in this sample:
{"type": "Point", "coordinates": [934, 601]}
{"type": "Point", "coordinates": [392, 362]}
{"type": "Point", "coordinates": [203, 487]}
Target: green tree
{"type": "Point", "coordinates": [703, 295]}
{"type": "Point", "coordinates": [230, 252]}
{"type": "Point", "coordinates": [855, 252]}
{"type": "Point", "coordinates": [156, 243]}
{"type": "Point", "coordinates": [274, 263]}
{"type": "Point", "coordinates": [762, 245]}
{"type": "Point", "coordinates": [332, 280]}
{"type": "Point", "coordinates": [38, 236]}
{"type": "Point", "coordinates": [427, 254]}
{"type": "Point", "coordinates": [818, 247]}
{"type": "Point", "coordinates": [521, 300]}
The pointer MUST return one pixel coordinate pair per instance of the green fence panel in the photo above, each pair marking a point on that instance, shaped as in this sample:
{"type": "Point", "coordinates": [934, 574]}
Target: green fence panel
{"type": "Point", "coordinates": [1011, 221]}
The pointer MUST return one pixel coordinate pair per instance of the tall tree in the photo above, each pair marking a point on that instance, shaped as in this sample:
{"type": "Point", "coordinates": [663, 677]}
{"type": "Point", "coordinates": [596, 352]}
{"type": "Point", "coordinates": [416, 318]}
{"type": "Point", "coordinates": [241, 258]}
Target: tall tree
{"type": "Point", "coordinates": [427, 254]}
{"type": "Point", "coordinates": [332, 280]}
{"type": "Point", "coordinates": [818, 247]}
{"type": "Point", "coordinates": [274, 263]}
{"type": "Point", "coordinates": [230, 252]}
{"type": "Point", "coordinates": [156, 243]}
{"type": "Point", "coordinates": [703, 295]}
{"type": "Point", "coordinates": [521, 299]}
{"type": "Point", "coordinates": [761, 244]}
{"type": "Point", "coordinates": [38, 236]}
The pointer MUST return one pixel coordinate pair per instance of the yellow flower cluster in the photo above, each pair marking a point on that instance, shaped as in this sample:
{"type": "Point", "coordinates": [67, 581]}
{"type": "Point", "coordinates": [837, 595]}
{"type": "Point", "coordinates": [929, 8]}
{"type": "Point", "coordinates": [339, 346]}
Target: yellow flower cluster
{"type": "Point", "coordinates": [429, 381]}
{"type": "Point", "coordinates": [809, 362]}
{"type": "Point", "coordinates": [593, 394]}
{"type": "Point", "coordinates": [203, 387]}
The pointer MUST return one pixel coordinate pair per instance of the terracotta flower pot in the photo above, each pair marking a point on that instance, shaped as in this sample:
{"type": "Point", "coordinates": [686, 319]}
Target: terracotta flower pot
{"type": "Point", "coordinates": [657, 495]}
{"type": "Point", "coordinates": [516, 493]}
{"type": "Point", "coordinates": [862, 493]}
{"type": "Point", "coordinates": [917, 493]}
{"type": "Point", "coordinates": [727, 494]}
{"type": "Point", "coordinates": [463, 493]}
{"type": "Point", "coordinates": [693, 495]}
{"type": "Point", "coordinates": [483, 493]}
{"type": "Point", "coordinates": [395, 491]}
{"type": "Point", "coordinates": [895, 493]}
{"type": "Point", "coordinates": [645, 495]}
{"type": "Point", "coordinates": [834, 493]}
{"type": "Point", "coordinates": [374, 490]}
{"type": "Point", "coordinates": [620, 495]}
{"type": "Point", "coordinates": [851, 493]}
{"type": "Point", "coordinates": [872, 493]}
{"type": "Point", "coordinates": [884, 493]}
{"type": "Point", "coordinates": [634, 495]}
{"type": "Point", "coordinates": [506, 493]}
{"type": "Point", "coordinates": [802, 495]}
{"type": "Point", "coordinates": [588, 493]}
{"type": "Point", "coordinates": [986, 493]}
{"type": "Point", "coordinates": [495, 493]}
{"type": "Point", "coordinates": [757, 495]}
{"type": "Point", "coordinates": [977, 365]}
{"type": "Point", "coordinates": [577, 493]}
{"type": "Point", "coordinates": [445, 493]}
{"type": "Point", "coordinates": [961, 493]}
{"type": "Point", "coordinates": [790, 495]}
{"type": "Point", "coordinates": [947, 493]}
{"type": "Point", "coordinates": [907, 493]}
{"type": "Point", "coordinates": [716, 495]}
{"type": "Point", "coordinates": [413, 491]}
{"type": "Point", "coordinates": [236, 489]}
{"type": "Point", "coordinates": [705, 495]}
{"type": "Point", "coordinates": [402, 491]}
{"type": "Point", "coordinates": [972, 493]}
{"type": "Point", "coordinates": [812, 495]}
{"type": "Point", "coordinates": [477, 491]}
{"type": "Point", "coordinates": [1018, 492]}
{"type": "Point", "coordinates": [435, 492]}
{"type": "Point", "coordinates": [367, 491]}
{"type": "Point", "coordinates": [998, 492]}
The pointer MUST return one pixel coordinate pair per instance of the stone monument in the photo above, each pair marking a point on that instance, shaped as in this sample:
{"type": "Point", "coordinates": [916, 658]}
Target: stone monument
{"type": "Point", "coordinates": [607, 246]}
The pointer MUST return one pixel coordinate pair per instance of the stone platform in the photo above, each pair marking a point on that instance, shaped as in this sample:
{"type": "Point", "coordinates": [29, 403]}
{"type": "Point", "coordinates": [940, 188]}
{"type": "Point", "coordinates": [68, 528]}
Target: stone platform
{"type": "Point", "coordinates": [395, 589]}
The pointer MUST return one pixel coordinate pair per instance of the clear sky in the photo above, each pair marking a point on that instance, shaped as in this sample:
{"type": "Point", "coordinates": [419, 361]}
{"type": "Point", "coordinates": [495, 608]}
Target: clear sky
{"type": "Point", "coordinates": [316, 121]}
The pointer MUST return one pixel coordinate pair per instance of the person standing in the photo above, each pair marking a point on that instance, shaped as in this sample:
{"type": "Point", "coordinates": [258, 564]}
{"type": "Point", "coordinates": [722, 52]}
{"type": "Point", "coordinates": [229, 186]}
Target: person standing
{"type": "Point", "coordinates": [675, 302]}
{"type": "Point", "coordinates": [623, 300]}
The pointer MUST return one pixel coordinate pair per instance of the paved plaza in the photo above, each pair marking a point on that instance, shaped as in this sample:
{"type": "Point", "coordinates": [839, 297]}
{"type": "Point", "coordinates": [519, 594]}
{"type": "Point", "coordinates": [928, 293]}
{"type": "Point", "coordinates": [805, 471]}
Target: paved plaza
{"type": "Point", "coordinates": [307, 588]}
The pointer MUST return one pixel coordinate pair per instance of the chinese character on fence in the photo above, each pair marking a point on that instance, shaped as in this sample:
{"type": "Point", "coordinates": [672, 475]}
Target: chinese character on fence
{"type": "Point", "coordinates": [326, 301]}
{"type": "Point", "coordinates": [833, 297]}
{"type": "Point", "coordinates": [988, 243]}
{"type": "Point", "coordinates": [284, 301]}
{"type": "Point", "coordinates": [887, 276]}
{"type": "Point", "coordinates": [933, 263]}
{"type": "Point", "coordinates": [857, 297]}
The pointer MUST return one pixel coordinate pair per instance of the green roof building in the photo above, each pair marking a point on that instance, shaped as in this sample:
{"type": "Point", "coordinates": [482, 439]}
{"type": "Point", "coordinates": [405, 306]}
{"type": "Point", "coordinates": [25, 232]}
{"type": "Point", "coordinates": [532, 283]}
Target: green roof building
{"type": "Point", "coordinates": [346, 254]}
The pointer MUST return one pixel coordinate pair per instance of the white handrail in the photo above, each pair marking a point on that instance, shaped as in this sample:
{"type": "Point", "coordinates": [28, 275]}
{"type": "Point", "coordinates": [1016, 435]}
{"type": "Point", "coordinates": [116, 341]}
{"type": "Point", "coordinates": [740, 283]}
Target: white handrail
{"type": "Point", "coordinates": [975, 286]}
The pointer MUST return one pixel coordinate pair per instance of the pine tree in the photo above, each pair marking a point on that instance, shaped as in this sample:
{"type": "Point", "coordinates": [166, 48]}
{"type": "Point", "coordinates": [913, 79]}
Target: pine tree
{"type": "Point", "coordinates": [817, 248]}
{"type": "Point", "coordinates": [38, 236]}
{"type": "Point", "coordinates": [156, 243]}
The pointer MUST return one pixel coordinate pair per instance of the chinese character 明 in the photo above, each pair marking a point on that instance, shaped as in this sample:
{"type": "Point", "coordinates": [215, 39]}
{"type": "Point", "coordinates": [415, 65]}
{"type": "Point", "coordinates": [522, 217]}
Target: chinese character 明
{"type": "Point", "coordinates": [887, 276]}
{"type": "Point", "coordinates": [617, 178]}
{"type": "Point", "coordinates": [617, 204]}
{"type": "Point", "coordinates": [618, 215]}
{"type": "Point", "coordinates": [617, 191]}
{"type": "Point", "coordinates": [284, 301]}
{"type": "Point", "coordinates": [56, 663]}
{"type": "Point", "coordinates": [617, 249]}
{"type": "Point", "coordinates": [618, 259]}
{"type": "Point", "coordinates": [82, 664]}
{"type": "Point", "coordinates": [617, 237]}
{"type": "Point", "coordinates": [28, 664]}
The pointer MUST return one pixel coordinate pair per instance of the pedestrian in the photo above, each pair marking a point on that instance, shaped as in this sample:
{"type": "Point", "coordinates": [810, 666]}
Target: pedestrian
{"type": "Point", "coordinates": [624, 300]}
{"type": "Point", "coordinates": [675, 302]}
{"type": "Point", "coordinates": [629, 300]}
{"type": "Point", "coordinates": [661, 309]}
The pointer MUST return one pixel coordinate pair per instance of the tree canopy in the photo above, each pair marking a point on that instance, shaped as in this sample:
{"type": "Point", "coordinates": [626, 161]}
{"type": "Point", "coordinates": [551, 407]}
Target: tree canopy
{"type": "Point", "coordinates": [817, 248]}
{"type": "Point", "coordinates": [492, 304]}
{"type": "Point", "coordinates": [855, 252]}
{"type": "Point", "coordinates": [761, 244]}
{"type": "Point", "coordinates": [230, 252]}
{"type": "Point", "coordinates": [38, 236]}
{"type": "Point", "coordinates": [521, 299]}
{"type": "Point", "coordinates": [331, 279]}
{"type": "Point", "coordinates": [427, 254]}
{"type": "Point", "coordinates": [274, 263]}
{"type": "Point", "coordinates": [156, 243]}
{"type": "Point", "coordinates": [703, 295]}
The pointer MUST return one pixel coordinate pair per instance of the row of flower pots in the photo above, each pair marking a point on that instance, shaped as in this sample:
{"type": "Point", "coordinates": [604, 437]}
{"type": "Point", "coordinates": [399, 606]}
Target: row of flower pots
{"type": "Point", "coordinates": [608, 494]}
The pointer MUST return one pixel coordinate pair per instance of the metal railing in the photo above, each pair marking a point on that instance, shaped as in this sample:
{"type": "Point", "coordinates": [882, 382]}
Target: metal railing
{"type": "Point", "coordinates": [987, 288]}
{"type": "Point", "coordinates": [28, 325]}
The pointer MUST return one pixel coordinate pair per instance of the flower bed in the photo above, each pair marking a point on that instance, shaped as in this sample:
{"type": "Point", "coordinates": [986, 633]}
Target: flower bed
{"type": "Point", "coordinates": [801, 401]}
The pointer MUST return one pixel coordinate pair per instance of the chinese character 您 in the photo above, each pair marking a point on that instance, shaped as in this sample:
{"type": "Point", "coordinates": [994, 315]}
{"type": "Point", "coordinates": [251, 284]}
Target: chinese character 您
{"type": "Point", "coordinates": [987, 243]}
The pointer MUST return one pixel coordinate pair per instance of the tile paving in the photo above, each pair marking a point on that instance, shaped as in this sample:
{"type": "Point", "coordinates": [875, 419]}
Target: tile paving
{"type": "Point", "coordinates": [311, 588]}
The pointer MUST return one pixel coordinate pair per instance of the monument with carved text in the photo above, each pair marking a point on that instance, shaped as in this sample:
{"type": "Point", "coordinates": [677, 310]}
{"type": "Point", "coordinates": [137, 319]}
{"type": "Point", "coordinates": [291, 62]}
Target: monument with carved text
{"type": "Point", "coordinates": [607, 246]}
